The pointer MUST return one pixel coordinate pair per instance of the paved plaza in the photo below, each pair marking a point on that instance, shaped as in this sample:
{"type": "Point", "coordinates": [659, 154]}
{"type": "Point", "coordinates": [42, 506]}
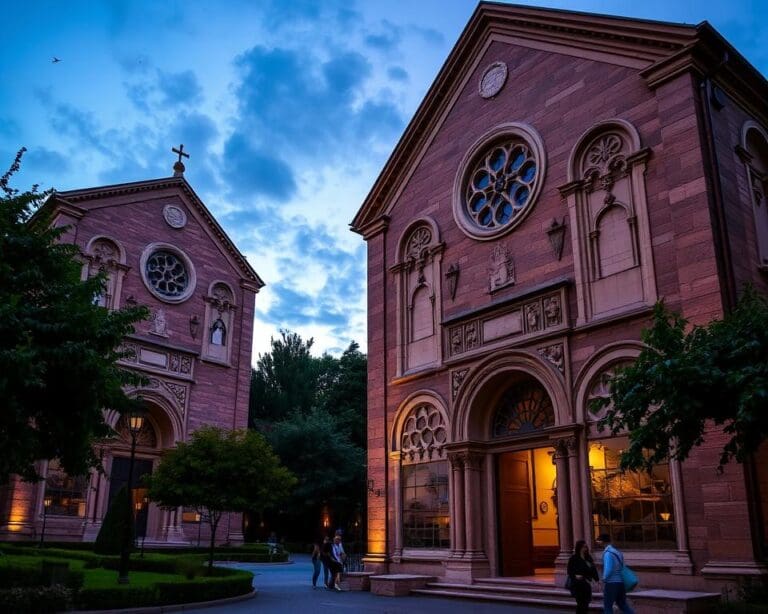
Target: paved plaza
{"type": "Point", "coordinates": [288, 588]}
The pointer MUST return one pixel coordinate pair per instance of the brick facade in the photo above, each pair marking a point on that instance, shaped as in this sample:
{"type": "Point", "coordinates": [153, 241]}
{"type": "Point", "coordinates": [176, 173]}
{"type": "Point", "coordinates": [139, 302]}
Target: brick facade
{"type": "Point", "coordinates": [191, 382]}
{"type": "Point", "coordinates": [608, 76]}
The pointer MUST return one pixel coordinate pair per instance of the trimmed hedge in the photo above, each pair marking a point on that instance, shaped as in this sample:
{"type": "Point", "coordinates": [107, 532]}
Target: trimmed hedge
{"type": "Point", "coordinates": [224, 583]}
{"type": "Point", "coordinates": [35, 600]}
{"type": "Point", "coordinates": [32, 573]}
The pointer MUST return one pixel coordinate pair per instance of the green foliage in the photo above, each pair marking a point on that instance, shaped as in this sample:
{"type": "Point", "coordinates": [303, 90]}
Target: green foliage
{"type": "Point", "coordinates": [36, 599]}
{"type": "Point", "coordinates": [113, 527]}
{"type": "Point", "coordinates": [329, 466]}
{"type": "Point", "coordinates": [57, 349]}
{"type": "Point", "coordinates": [220, 471]}
{"type": "Point", "coordinates": [693, 378]}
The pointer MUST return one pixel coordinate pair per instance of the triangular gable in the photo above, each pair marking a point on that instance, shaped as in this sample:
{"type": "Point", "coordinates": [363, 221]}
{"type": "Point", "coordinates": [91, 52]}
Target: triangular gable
{"type": "Point", "coordinates": [640, 44]}
{"type": "Point", "coordinates": [70, 199]}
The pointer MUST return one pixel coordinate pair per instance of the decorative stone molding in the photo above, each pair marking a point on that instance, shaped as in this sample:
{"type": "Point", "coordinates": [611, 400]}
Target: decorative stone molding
{"type": "Point", "coordinates": [457, 378]}
{"type": "Point", "coordinates": [424, 434]}
{"type": "Point", "coordinates": [521, 320]}
{"type": "Point", "coordinates": [452, 275]}
{"type": "Point", "coordinates": [493, 80]}
{"type": "Point", "coordinates": [556, 234]}
{"type": "Point", "coordinates": [105, 255]}
{"type": "Point", "coordinates": [147, 356]}
{"type": "Point", "coordinates": [158, 324]}
{"type": "Point", "coordinates": [219, 323]}
{"type": "Point", "coordinates": [752, 151]}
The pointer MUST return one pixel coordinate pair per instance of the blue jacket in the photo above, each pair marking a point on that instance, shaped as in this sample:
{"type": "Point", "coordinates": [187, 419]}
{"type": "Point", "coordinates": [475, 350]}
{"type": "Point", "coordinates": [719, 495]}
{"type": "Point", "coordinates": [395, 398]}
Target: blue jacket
{"type": "Point", "coordinates": [613, 562]}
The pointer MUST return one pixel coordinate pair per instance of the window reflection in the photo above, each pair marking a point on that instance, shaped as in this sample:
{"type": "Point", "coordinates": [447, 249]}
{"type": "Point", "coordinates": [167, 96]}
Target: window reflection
{"type": "Point", "coordinates": [426, 522]}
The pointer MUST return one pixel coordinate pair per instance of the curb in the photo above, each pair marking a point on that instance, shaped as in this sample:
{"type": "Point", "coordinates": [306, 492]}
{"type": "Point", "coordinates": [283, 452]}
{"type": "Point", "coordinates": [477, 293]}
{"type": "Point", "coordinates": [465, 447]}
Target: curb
{"type": "Point", "coordinates": [179, 607]}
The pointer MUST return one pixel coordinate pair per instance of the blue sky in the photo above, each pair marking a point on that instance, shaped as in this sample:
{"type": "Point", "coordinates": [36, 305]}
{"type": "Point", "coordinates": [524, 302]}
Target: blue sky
{"type": "Point", "coordinates": [289, 109]}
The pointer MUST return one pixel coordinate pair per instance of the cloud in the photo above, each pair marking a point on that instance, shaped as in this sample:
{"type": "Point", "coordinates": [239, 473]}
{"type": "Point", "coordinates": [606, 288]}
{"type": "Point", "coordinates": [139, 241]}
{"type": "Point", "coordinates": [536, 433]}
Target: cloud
{"type": "Point", "coordinates": [313, 109]}
{"type": "Point", "coordinates": [40, 159]}
{"type": "Point", "coordinates": [397, 73]}
{"type": "Point", "coordinates": [181, 88]}
{"type": "Point", "coordinates": [387, 39]}
{"type": "Point", "coordinates": [255, 171]}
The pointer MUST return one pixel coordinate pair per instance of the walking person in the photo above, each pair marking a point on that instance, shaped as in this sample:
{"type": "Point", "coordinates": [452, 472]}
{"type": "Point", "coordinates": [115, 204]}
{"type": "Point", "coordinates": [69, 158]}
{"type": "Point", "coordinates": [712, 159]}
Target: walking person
{"type": "Point", "coordinates": [316, 564]}
{"type": "Point", "coordinates": [325, 559]}
{"type": "Point", "coordinates": [582, 572]}
{"type": "Point", "coordinates": [613, 584]}
{"type": "Point", "coordinates": [338, 556]}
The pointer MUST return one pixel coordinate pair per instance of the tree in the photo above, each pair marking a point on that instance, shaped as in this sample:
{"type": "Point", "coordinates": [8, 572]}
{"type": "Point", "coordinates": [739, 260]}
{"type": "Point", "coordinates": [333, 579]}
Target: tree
{"type": "Point", "coordinates": [58, 351]}
{"type": "Point", "coordinates": [117, 521]}
{"type": "Point", "coordinates": [220, 471]}
{"type": "Point", "coordinates": [284, 380]}
{"type": "Point", "coordinates": [345, 397]}
{"type": "Point", "coordinates": [692, 378]}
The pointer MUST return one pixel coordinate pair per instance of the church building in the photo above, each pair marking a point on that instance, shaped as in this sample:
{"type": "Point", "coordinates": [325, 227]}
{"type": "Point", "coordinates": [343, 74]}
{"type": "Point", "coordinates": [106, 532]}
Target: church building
{"type": "Point", "coordinates": [159, 246]}
{"type": "Point", "coordinates": [564, 172]}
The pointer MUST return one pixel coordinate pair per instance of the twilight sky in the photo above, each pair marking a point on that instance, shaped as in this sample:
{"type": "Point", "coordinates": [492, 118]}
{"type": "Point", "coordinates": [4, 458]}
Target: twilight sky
{"type": "Point", "coordinates": [288, 108]}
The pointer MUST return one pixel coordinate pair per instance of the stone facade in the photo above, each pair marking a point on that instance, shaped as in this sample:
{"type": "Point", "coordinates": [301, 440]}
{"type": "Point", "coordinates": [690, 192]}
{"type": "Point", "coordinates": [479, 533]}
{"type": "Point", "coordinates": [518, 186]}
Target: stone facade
{"type": "Point", "coordinates": [563, 173]}
{"type": "Point", "coordinates": [160, 247]}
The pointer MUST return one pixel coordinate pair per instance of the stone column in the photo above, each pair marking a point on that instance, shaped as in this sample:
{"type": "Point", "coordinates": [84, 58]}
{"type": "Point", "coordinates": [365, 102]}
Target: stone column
{"type": "Point", "coordinates": [564, 522]}
{"type": "Point", "coordinates": [458, 528]}
{"type": "Point", "coordinates": [473, 511]}
{"type": "Point", "coordinates": [395, 464]}
{"type": "Point", "coordinates": [577, 509]}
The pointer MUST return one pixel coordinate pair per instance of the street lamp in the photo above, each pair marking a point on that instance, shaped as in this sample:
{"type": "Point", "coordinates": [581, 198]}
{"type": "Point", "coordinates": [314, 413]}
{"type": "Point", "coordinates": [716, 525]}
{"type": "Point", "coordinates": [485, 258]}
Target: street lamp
{"type": "Point", "coordinates": [47, 500]}
{"type": "Point", "coordinates": [135, 422]}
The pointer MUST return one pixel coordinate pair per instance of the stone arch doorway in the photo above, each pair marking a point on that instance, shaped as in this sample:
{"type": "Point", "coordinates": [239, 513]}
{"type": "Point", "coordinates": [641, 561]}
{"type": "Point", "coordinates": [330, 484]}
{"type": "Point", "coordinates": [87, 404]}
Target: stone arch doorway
{"type": "Point", "coordinates": [525, 477]}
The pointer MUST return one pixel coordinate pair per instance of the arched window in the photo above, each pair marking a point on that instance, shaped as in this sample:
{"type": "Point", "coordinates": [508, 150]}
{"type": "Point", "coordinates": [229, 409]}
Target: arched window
{"type": "Point", "coordinates": [424, 479]}
{"type": "Point", "coordinates": [635, 507]}
{"type": "Point", "coordinates": [755, 156]}
{"type": "Point", "coordinates": [219, 320]}
{"type": "Point", "coordinates": [419, 283]}
{"type": "Point", "coordinates": [524, 408]}
{"type": "Point", "coordinates": [105, 256]}
{"type": "Point", "coordinates": [609, 217]}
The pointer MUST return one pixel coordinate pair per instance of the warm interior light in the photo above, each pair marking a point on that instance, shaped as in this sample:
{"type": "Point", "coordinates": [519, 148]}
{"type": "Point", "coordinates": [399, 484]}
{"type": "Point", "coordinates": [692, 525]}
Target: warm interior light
{"type": "Point", "coordinates": [47, 501]}
{"type": "Point", "coordinates": [665, 516]}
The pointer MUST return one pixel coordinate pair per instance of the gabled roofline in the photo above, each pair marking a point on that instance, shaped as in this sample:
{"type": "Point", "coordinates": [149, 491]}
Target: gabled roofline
{"type": "Point", "coordinates": [71, 197]}
{"type": "Point", "coordinates": [649, 42]}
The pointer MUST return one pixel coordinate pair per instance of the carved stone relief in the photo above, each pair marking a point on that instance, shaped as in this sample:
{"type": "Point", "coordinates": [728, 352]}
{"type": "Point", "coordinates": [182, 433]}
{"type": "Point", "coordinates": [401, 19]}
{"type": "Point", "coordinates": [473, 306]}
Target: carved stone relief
{"type": "Point", "coordinates": [552, 311]}
{"type": "Point", "coordinates": [159, 324]}
{"type": "Point", "coordinates": [457, 379]}
{"type": "Point", "coordinates": [174, 216]}
{"type": "Point", "coordinates": [601, 389]}
{"type": "Point", "coordinates": [471, 340]}
{"type": "Point", "coordinates": [533, 316]}
{"type": "Point", "coordinates": [555, 355]}
{"type": "Point", "coordinates": [501, 269]}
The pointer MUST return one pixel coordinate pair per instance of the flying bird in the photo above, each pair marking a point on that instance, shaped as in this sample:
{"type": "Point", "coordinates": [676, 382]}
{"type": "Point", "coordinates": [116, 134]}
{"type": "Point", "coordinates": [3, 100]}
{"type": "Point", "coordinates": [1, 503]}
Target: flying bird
{"type": "Point", "coordinates": [55, 60]}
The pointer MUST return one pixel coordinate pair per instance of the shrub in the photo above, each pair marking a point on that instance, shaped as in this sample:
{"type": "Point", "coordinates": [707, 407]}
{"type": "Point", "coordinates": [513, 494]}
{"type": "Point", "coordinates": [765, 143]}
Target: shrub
{"type": "Point", "coordinates": [35, 600]}
{"type": "Point", "coordinates": [206, 589]}
{"type": "Point", "coordinates": [118, 520]}
{"type": "Point", "coordinates": [116, 598]}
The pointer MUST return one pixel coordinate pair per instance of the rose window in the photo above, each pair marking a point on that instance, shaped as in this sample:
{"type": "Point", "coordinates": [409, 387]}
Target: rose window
{"type": "Point", "coordinates": [423, 433]}
{"type": "Point", "coordinates": [500, 185]}
{"type": "Point", "coordinates": [167, 274]}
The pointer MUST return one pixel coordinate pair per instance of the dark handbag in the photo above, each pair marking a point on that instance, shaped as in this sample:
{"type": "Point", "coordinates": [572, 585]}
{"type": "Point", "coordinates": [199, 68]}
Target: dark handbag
{"type": "Point", "coordinates": [569, 585]}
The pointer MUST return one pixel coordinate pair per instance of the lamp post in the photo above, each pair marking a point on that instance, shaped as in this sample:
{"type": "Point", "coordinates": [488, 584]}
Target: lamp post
{"type": "Point", "coordinates": [47, 500]}
{"type": "Point", "coordinates": [135, 422]}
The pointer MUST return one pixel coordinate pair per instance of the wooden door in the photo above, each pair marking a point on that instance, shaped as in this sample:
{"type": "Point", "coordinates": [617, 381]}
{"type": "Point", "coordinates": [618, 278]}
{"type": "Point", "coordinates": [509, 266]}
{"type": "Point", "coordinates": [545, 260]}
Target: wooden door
{"type": "Point", "coordinates": [515, 535]}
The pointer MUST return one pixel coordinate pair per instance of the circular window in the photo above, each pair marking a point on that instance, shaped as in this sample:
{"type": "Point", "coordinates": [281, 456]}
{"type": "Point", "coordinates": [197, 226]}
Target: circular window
{"type": "Point", "coordinates": [167, 273]}
{"type": "Point", "coordinates": [498, 181]}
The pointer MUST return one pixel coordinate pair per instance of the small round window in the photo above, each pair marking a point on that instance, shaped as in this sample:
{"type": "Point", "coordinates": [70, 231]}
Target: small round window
{"type": "Point", "coordinates": [498, 181]}
{"type": "Point", "coordinates": [167, 273]}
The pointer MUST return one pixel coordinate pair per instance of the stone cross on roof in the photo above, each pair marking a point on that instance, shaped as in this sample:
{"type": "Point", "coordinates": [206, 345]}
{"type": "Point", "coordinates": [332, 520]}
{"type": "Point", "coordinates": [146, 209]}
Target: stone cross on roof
{"type": "Point", "coordinates": [178, 167]}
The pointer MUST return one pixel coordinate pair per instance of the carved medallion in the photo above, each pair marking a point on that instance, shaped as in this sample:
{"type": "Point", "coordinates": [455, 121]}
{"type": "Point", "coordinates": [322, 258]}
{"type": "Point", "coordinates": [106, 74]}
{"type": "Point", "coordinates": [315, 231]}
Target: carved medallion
{"type": "Point", "coordinates": [174, 216]}
{"type": "Point", "coordinates": [493, 79]}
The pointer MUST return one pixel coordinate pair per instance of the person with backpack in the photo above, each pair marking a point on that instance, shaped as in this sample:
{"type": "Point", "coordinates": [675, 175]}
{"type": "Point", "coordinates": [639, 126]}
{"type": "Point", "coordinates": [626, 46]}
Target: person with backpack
{"type": "Point", "coordinates": [613, 582]}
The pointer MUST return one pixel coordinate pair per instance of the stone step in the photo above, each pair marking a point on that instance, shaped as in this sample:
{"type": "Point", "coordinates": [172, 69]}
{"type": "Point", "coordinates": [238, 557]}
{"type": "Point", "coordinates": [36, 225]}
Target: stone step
{"type": "Point", "coordinates": [540, 600]}
{"type": "Point", "coordinates": [505, 589]}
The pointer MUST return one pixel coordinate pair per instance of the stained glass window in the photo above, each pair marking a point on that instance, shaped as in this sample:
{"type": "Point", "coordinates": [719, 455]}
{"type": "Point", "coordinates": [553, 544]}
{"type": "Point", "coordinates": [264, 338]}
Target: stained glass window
{"type": "Point", "coordinates": [500, 185]}
{"type": "Point", "coordinates": [166, 273]}
{"type": "Point", "coordinates": [524, 408]}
